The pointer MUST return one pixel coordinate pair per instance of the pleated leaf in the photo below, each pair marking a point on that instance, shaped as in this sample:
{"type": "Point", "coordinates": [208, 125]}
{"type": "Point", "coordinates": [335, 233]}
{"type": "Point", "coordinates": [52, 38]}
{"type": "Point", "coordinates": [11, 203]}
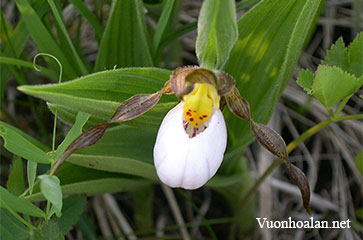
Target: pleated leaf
{"type": "Point", "coordinates": [124, 42]}
{"type": "Point", "coordinates": [271, 36]}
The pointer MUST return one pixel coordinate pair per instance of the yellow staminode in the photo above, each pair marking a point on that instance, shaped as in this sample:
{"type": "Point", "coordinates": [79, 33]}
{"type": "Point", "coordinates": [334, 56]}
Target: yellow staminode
{"type": "Point", "coordinates": [199, 104]}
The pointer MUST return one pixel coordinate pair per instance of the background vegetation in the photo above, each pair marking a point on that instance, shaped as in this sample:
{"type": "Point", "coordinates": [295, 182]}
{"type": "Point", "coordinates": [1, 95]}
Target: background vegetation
{"type": "Point", "coordinates": [110, 190]}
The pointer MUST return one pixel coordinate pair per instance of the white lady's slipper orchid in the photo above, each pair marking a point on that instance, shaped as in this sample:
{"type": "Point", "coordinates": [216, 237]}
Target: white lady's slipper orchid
{"type": "Point", "coordinates": [191, 140]}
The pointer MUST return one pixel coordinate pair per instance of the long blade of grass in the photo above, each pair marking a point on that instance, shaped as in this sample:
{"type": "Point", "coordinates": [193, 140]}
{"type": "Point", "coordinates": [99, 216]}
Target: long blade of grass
{"type": "Point", "coordinates": [163, 25]}
{"type": "Point", "coordinates": [44, 40]}
{"type": "Point", "coordinates": [59, 20]}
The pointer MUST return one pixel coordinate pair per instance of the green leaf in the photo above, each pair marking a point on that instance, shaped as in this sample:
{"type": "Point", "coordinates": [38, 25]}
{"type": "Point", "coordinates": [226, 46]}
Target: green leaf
{"type": "Point", "coordinates": [75, 131]}
{"type": "Point", "coordinates": [217, 32]}
{"type": "Point", "coordinates": [331, 84]}
{"type": "Point", "coordinates": [20, 205]}
{"type": "Point", "coordinates": [69, 116]}
{"type": "Point", "coordinates": [72, 210]}
{"type": "Point", "coordinates": [124, 42]}
{"type": "Point", "coordinates": [127, 142]}
{"type": "Point", "coordinates": [16, 183]}
{"type": "Point", "coordinates": [115, 164]}
{"type": "Point", "coordinates": [50, 187]}
{"type": "Point", "coordinates": [26, 136]}
{"type": "Point", "coordinates": [50, 230]}
{"type": "Point", "coordinates": [337, 56]}
{"type": "Point", "coordinates": [305, 80]}
{"type": "Point", "coordinates": [271, 36]}
{"type": "Point", "coordinates": [150, 120]}
{"type": "Point", "coordinates": [32, 172]}
{"type": "Point", "coordinates": [100, 94]}
{"type": "Point", "coordinates": [359, 162]}
{"type": "Point", "coordinates": [11, 228]}
{"type": "Point", "coordinates": [17, 144]}
{"type": "Point", "coordinates": [356, 56]}
{"type": "Point", "coordinates": [103, 185]}
{"type": "Point", "coordinates": [43, 38]}
{"type": "Point", "coordinates": [129, 150]}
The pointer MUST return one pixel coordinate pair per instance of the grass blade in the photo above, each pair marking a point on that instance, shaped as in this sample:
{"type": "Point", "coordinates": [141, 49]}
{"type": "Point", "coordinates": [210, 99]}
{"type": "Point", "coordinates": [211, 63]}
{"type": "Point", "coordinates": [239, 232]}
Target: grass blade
{"type": "Point", "coordinates": [44, 40]}
{"type": "Point", "coordinates": [59, 20]}
{"type": "Point", "coordinates": [163, 25]}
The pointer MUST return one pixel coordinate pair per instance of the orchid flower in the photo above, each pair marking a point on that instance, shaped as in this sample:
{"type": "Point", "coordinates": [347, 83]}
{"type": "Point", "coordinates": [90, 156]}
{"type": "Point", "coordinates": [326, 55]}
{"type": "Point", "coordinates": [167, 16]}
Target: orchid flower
{"type": "Point", "coordinates": [191, 141]}
{"type": "Point", "coordinates": [192, 138]}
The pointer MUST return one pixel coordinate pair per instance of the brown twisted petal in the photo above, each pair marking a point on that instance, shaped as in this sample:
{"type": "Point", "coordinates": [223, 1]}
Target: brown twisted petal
{"type": "Point", "coordinates": [270, 140]}
{"type": "Point", "coordinates": [135, 106]}
{"type": "Point", "coordinates": [183, 79]}
{"type": "Point", "coordinates": [224, 82]}
{"type": "Point", "coordinates": [303, 184]}
{"type": "Point", "coordinates": [237, 104]}
{"type": "Point", "coordinates": [86, 139]}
